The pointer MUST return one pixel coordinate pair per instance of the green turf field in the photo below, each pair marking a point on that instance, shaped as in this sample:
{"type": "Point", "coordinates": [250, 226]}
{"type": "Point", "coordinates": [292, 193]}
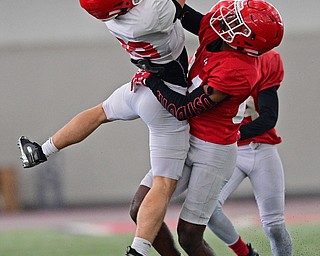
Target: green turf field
{"type": "Point", "coordinates": [57, 243]}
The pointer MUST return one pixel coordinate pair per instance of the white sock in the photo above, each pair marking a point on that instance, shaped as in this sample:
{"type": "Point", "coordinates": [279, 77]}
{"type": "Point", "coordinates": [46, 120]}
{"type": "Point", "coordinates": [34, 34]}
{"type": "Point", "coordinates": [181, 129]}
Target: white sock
{"type": "Point", "coordinates": [141, 245]}
{"type": "Point", "coordinates": [49, 148]}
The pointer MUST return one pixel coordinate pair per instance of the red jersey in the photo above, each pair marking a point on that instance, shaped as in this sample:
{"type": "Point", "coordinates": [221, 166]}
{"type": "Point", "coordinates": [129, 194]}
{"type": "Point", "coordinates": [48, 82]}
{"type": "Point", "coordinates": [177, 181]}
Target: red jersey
{"type": "Point", "coordinates": [231, 72]}
{"type": "Point", "coordinates": [272, 73]}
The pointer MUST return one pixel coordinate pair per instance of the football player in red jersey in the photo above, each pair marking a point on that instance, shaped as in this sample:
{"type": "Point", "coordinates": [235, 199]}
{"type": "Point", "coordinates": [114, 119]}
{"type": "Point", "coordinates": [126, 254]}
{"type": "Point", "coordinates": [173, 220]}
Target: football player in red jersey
{"type": "Point", "coordinates": [150, 32]}
{"type": "Point", "coordinates": [258, 159]}
{"type": "Point", "coordinates": [223, 74]}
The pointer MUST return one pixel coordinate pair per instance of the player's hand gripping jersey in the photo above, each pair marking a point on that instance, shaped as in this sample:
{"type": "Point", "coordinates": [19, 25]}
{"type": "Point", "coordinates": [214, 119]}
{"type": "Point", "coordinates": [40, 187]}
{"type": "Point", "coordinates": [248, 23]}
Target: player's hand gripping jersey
{"type": "Point", "coordinates": [255, 127]}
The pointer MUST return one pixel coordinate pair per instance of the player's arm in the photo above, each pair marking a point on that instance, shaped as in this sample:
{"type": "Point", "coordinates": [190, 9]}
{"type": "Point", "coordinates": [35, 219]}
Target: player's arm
{"type": "Point", "coordinates": [179, 7]}
{"type": "Point", "coordinates": [190, 19]}
{"type": "Point", "coordinates": [268, 103]}
{"type": "Point", "coordinates": [181, 106]}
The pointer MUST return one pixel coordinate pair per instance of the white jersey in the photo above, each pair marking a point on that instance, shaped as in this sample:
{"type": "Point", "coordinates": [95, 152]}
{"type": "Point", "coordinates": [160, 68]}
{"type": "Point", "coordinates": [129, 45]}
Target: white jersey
{"type": "Point", "coordinates": [149, 31]}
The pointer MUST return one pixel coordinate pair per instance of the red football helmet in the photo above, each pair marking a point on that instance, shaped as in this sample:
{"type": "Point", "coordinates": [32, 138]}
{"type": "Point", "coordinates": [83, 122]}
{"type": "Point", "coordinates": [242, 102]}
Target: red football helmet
{"type": "Point", "coordinates": [108, 9]}
{"type": "Point", "coordinates": [252, 26]}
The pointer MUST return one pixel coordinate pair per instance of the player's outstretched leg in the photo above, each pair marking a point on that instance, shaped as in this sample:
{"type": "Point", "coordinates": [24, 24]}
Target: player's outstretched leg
{"type": "Point", "coordinates": [31, 153]}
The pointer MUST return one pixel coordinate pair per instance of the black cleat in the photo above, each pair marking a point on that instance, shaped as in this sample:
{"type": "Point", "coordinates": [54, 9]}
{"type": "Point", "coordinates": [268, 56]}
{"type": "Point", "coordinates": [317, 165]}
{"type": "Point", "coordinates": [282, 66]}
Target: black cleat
{"type": "Point", "coordinates": [30, 153]}
{"type": "Point", "coordinates": [252, 251]}
{"type": "Point", "coordinates": [132, 252]}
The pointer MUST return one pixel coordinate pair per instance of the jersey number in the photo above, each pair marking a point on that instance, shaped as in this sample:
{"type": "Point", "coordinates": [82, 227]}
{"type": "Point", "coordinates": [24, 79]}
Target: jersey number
{"type": "Point", "coordinates": [140, 49]}
{"type": "Point", "coordinates": [246, 109]}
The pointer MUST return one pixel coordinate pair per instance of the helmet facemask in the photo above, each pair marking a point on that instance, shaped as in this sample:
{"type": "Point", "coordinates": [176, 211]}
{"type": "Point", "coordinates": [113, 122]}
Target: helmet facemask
{"type": "Point", "coordinates": [230, 22]}
{"type": "Point", "coordinates": [250, 26]}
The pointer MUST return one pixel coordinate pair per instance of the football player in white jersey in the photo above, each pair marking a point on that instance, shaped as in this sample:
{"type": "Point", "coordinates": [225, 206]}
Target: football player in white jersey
{"type": "Point", "coordinates": [258, 160]}
{"type": "Point", "coordinates": [150, 32]}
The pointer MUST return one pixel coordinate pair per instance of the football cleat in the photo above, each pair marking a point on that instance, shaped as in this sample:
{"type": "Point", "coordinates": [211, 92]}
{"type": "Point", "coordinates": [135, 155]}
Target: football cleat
{"type": "Point", "coordinates": [252, 251]}
{"type": "Point", "coordinates": [132, 252]}
{"type": "Point", "coordinates": [31, 153]}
